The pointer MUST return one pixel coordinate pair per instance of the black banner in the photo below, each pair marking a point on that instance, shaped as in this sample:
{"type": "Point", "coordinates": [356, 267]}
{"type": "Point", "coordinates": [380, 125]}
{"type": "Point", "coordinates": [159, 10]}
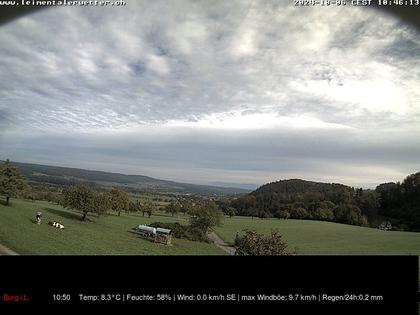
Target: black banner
{"type": "Point", "coordinates": [328, 283]}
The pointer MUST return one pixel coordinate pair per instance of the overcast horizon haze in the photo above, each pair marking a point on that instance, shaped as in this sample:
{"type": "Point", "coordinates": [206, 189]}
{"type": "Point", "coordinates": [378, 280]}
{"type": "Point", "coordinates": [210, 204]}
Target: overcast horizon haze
{"type": "Point", "coordinates": [238, 92]}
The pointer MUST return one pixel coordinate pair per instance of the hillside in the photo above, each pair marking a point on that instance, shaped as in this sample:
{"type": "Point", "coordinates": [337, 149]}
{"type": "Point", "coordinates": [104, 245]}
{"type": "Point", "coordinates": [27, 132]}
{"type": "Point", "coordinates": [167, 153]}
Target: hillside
{"type": "Point", "coordinates": [300, 199]}
{"type": "Point", "coordinates": [67, 176]}
{"type": "Point", "coordinates": [298, 186]}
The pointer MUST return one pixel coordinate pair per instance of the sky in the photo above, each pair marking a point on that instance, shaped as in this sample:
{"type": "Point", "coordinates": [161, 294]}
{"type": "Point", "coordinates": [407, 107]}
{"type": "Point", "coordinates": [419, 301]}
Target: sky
{"type": "Point", "coordinates": [240, 92]}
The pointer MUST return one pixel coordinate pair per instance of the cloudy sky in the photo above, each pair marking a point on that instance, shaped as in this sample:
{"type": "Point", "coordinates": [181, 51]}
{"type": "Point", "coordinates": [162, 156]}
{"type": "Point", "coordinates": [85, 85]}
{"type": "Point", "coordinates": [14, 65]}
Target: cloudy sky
{"type": "Point", "coordinates": [214, 91]}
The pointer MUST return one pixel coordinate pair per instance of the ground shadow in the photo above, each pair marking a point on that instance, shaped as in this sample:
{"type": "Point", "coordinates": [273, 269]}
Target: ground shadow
{"type": "Point", "coordinates": [33, 221]}
{"type": "Point", "coordinates": [139, 215]}
{"type": "Point", "coordinates": [141, 236]}
{"type": "Point", "coordinates": [110, 214]}
{"type": "Point", "coordinates": [65, 214]}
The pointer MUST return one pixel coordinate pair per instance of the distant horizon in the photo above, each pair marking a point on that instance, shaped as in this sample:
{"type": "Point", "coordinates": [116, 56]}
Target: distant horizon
{"type": "Point", "coordinates": [244, 92]}
{"type": "Point", "coordinates": [209, 183]}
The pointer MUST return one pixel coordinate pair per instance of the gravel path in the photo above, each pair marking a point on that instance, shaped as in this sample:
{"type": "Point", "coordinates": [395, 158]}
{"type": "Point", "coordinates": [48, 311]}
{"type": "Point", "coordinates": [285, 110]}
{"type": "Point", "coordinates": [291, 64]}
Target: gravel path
{"type": "Point", "coordinates": [6, 251]}
{"type": "Point", "coordinates": [221, 243]}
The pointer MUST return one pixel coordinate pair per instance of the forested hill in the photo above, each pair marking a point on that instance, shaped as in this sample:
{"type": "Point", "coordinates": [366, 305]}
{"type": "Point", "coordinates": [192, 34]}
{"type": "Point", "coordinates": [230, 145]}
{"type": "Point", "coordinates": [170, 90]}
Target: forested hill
{"type": "Point", "coordinates": [298, 186]}
{"type": "Point", "coordinates": [300, 199]}
{"type": "Point", "coordinates": [65, 176]}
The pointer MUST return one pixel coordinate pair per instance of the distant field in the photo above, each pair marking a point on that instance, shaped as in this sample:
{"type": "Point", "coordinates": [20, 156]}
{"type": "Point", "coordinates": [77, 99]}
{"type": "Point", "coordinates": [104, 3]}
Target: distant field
{"type": "Point", "coordinates": [317, 237]}
{"type": "Point", "coordinates": [159, 200]}
{"type": "Point", "coordinates": [108, 235]}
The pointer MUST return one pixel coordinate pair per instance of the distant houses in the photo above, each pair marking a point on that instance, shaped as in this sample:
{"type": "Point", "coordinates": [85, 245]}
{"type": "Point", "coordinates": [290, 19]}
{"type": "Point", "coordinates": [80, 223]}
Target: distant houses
{"type": "Point", "coordinates": [385, 225]}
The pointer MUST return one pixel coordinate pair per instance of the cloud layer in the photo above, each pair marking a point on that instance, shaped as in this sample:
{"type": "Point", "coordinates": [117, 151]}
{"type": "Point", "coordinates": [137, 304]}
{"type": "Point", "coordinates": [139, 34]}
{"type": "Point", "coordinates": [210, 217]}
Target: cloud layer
{"type": "Point", "coordinates": [203, 91]}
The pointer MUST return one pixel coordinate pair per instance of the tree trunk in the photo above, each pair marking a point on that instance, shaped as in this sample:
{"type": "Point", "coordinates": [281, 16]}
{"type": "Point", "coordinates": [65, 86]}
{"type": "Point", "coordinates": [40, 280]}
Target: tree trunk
{"type": "Point", "coordinates": [119, 213]}
{"type": "Point", "coordinates": [84, 216]}
{"type": "Point", "coordinates": [7, 200]}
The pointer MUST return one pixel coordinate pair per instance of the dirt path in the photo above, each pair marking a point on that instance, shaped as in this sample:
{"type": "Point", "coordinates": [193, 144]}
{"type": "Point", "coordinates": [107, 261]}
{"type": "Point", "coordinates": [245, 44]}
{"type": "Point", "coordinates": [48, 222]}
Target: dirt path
{"type": "Point", "coordinates": [6, 251]}
{"type": "Point", "coordinates": [221, 243]}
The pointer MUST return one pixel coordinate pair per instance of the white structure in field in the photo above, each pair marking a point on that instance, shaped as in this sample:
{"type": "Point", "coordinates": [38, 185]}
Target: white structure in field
{"type": "Point", "coordinates": [159, 235]}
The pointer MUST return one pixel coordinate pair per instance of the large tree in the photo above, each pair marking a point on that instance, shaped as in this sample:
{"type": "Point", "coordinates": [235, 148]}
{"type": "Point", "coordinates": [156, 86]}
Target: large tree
{"type": "Point", "coordinates": [411, 189]}
{"type": "Point", "coordinates": [148, 207]}
{"type": "Point", "coordinates": [206, 216]}
{"type": "Point", "coordinates": [135, 206]}
{"type": "Point", "coordinates": [230, 211]}
{"type": "Point", "coordinates": [189, 205]}
{"type": "Point", "coordinates": [11, 181]}
{"type": "Point", "coordinates": [173, 208]}
{"type": "Point", "coordinates": [299, 213]}
{"type": "Point", "coordinates": [85, 199]}
{"type": "Point", "coordinates": [119, 200]}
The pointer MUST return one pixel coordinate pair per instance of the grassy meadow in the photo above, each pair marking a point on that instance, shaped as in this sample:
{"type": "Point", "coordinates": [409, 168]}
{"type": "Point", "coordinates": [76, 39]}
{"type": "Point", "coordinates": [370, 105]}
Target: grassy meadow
{"type": "Point", "coordinates": [321, 238]}
{"type": "Point", "coordinates": [112, 235]}
{"type": "Point", "coordinates": [107, 235]}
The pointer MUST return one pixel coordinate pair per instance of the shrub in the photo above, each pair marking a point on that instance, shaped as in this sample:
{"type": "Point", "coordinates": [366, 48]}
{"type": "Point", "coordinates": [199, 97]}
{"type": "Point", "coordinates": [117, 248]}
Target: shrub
{"type": "Point", "coordinates": [254, 244]}
{"type": "Point", "coordinates": [183, 231]}
{"type": "Point", "coordinates": [282, 214]}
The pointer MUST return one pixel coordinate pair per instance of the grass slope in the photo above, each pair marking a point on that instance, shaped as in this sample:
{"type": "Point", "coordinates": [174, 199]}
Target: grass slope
{"type": "Point", "coordinates": [110, 235]}
{"type": "Point", "coordinates": [321, 238]}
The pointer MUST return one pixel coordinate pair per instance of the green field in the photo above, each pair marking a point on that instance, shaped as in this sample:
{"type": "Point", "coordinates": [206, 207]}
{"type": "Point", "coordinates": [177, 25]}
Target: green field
{"type": "Point", "coordinates": [317, 237]}
{"type": "Point", "coordinates": [112, 234]}
{"type": "Point", "coordinates": [107, 235]}
{"type": "Point", "coordinates": [159, 200]}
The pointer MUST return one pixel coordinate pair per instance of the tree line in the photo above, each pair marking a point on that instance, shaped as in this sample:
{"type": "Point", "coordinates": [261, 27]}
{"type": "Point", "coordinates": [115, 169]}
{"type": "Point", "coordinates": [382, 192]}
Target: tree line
{"type": "Point", "coordinates": [402, 201]}
{"type": "Point", "coordinates": [299, 199]}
